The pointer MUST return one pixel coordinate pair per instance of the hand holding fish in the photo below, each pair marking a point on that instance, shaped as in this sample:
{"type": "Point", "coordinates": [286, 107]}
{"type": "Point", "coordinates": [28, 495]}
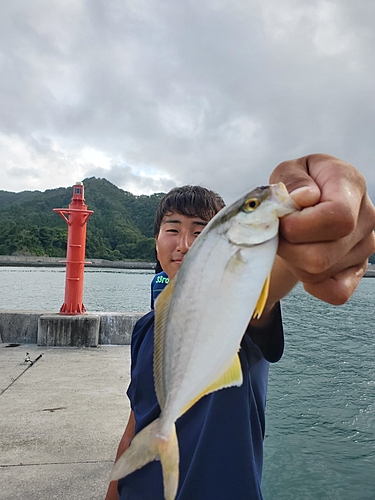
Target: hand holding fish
{"type": "Point", "coordinates": [326, 245]}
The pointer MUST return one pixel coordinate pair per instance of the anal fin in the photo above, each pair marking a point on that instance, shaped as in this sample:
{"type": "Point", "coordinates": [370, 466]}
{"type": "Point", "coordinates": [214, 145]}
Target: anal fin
{"type": "Point", "coordinates": [231, 377]}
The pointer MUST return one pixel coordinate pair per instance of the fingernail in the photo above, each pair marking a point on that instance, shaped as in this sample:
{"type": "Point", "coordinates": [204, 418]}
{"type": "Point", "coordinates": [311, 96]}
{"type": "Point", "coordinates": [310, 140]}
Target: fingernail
{"type": "Point", "coordinates": [301, 190]}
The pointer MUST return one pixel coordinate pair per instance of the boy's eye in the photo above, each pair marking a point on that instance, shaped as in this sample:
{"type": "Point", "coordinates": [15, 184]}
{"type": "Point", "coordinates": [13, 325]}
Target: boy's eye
{"type": "Point", "coordinates": [172, 231]}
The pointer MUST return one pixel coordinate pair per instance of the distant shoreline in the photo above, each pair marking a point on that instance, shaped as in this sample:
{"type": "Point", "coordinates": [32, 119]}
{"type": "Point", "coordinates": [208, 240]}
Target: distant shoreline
{"type": "Point", "coordinates": [32, 261]}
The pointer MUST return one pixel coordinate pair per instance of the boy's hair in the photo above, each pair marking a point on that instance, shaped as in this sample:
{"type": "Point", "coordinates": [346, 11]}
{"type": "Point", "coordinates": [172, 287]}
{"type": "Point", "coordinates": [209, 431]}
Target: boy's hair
{"type": "Point", "coordinates": [192, 201]}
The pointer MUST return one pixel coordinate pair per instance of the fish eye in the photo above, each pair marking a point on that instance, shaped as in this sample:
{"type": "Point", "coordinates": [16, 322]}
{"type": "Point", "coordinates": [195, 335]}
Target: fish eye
{"type": "Point", "coordinates": [251, 204]}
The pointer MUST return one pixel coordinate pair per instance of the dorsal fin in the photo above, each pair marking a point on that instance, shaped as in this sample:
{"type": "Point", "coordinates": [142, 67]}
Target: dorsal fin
{"type": "Point", "coordinates": [261, 304]}
{"type": "Point", "coordinates": [231, 377]}
{"type": "Point", "coordinates": [162, 307]}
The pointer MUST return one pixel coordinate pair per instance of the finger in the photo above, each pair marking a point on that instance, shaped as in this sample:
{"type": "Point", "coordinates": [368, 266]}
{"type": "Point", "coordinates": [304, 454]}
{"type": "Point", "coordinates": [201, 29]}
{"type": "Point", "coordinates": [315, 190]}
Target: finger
{"type": "Point", "coordinates": [330, 221]}
{"type": "Point", "coordinates": [327, 221]}
{"type": "Point", "coordinates": [294, 174]}
{"type": "Point", "coordinates": [315, 262]}
{"type": "Point", "coordinates": [338, 289]}
{"type": "Point", "coordinates": [336, 178]}
{"type": "Point", "coordinates": [329, 216]}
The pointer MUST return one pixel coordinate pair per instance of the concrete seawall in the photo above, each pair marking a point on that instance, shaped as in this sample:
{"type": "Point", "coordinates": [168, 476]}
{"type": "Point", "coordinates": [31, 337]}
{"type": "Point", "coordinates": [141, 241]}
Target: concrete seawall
{"type": "Point", "coordinates": [50, 328]}
{"type": "Point", "coordinates": [32, 261]}
{"type": "Point", "coordinates": [27, 327]}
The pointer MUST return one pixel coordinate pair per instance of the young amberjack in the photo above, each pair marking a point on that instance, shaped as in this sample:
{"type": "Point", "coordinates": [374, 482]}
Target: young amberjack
{"type": "Point", "coordinates": [201, 317]}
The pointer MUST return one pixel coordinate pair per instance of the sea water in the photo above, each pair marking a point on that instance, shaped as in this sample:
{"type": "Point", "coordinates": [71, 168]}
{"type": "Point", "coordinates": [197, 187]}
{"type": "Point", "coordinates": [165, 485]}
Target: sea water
{"type": "Point", "coordinates": [42, 288]}
{"type": "Point", "coordinates": [320, 431]}
{"type": "Point", "coordinates": [320, 435]}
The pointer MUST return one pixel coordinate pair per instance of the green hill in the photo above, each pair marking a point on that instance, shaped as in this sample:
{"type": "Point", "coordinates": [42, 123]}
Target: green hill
{"type": "Point", "coordinates": [121, 227]}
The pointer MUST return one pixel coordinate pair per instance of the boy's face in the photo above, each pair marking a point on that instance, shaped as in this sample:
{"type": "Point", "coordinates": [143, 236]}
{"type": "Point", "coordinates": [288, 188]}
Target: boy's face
{"type": "Point", "coordinates": [177, 234]}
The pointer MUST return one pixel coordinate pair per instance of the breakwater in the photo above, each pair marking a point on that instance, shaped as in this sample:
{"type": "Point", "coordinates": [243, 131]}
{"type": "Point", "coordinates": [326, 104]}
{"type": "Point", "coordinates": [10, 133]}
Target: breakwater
{"type": "Point", "coordinates": [33, 261]}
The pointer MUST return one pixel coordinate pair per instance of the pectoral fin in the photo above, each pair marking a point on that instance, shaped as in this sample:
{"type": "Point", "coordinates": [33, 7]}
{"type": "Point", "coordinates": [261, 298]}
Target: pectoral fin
{"type": "Point", "coordinates": [231, 377]}
{"type": "Point", "coordinates": [261, 304]}
{"type": "Point", "coordinates": [235, 266]}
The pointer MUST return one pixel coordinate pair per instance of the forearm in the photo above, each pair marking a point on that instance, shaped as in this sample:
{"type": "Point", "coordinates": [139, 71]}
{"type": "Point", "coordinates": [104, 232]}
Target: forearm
{"type": "Point", "coordinates": [127, 436]}
{"type": "Point", "coordinates": [282, 281]}
{"type": "Point", "coordinates": [123, 446]}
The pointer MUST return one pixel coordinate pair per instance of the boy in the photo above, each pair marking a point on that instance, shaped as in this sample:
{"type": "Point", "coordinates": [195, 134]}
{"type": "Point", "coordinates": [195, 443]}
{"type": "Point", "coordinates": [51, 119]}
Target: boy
{"type": "Point", "coordinates": [220, 438]}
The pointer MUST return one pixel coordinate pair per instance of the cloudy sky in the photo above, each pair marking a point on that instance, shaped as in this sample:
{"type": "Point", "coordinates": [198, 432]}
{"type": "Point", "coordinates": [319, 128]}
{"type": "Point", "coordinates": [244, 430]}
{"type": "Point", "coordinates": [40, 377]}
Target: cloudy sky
{"type": "Point", "coordinates": [154, 93]}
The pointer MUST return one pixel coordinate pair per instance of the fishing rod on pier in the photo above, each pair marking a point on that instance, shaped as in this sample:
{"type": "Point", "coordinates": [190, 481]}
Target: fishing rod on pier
{"type": "Point", "coordinates": [32, 363]}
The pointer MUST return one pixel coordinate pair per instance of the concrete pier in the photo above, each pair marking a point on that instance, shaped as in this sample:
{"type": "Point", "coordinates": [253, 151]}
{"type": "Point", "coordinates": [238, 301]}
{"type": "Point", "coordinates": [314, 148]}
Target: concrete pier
{"type": "Point", "coordinates": [52, 329]}
{"type": "Point", "coordinates": [61, 420]}
{"type": "Point", "coordinates": [19, 327]}
{"type": "Point", "coordinates": [59, 330]}
{"type": "Point", "coordinates": [116, 328]}
{"type": "Point", "coordinates": [62, 417]}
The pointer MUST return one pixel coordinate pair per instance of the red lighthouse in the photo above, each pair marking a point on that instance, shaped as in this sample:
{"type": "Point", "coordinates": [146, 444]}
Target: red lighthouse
{"type": "Point", "coordinates": [76, 217]}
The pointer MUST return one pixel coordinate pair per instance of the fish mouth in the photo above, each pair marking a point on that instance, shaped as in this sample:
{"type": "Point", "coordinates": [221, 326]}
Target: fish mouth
{"type": "Point", "coordinates": [282, 197]}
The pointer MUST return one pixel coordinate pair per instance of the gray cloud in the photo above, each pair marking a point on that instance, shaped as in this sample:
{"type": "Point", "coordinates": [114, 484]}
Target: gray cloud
{"type": "Point", "coordinates": [163, 92]}
{"type": "Point", "coordinates": [121, 175]}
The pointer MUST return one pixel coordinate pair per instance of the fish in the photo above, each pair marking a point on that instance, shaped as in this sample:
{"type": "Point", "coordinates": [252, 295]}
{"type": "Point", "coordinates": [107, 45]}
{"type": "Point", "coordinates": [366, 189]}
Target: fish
{"type": "Point", "coordinates": [201, 317]}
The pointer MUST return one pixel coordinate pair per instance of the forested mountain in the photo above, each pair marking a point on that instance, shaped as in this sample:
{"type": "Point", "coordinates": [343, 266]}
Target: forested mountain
{"type": "Point", "coordinates": [121, 227]}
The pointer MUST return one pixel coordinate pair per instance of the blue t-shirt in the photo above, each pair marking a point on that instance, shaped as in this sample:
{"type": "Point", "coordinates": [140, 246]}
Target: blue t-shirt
{"type": "Point", "coordinates": [159, 282]}
{"type": "Point", "coordinates": [221, 436]}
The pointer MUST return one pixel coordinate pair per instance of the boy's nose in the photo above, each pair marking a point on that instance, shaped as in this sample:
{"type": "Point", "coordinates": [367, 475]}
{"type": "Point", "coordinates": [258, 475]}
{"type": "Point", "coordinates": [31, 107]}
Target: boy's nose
{"type": "Point", "coordinates": [184, 243]}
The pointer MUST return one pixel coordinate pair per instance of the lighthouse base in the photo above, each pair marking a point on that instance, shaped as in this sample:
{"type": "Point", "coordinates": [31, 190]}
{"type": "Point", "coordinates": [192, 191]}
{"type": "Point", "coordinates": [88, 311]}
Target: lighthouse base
{"type": "Point", "coordinates": [68, 331]}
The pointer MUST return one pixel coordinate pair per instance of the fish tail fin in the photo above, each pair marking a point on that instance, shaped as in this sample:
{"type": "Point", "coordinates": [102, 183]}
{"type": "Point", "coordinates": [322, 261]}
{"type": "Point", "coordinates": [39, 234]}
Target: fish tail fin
{"type": "Point", "coordinates": [146, 446]}
{"type": "Point", "coordinates": [170, 457]}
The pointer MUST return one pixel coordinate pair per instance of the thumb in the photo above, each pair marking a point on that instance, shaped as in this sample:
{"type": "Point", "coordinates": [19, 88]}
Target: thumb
{"type": "Point", "coordinates": [302, 188]}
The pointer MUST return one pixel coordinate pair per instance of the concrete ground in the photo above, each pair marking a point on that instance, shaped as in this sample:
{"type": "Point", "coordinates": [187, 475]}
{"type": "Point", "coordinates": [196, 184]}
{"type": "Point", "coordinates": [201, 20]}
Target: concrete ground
{"type": "Point", "coordinates": [61, 421]}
